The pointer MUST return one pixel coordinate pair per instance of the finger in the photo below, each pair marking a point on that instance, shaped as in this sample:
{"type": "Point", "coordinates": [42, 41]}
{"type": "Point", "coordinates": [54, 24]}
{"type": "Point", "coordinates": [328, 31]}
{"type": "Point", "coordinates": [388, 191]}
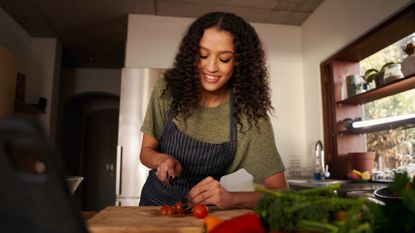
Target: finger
{"type": "Point", "coordinates": [203, 190]}
{"type": "Point", "coordinates": [178, 169]}
{"type": "Point", "coordinates": [200, 199]}
{"type": "Point", "coordinates": [162, 173]}
{"type": "Point", "coordinates": [207, 181]}
{"type": "Point", "coordinates": [208, 198]}
{"type": "Point", "coordinates": [171, 173]}
{"type": "Point", "coordinates": [201, 187]}
{"type": "Point", "coordinates": [175, 168]}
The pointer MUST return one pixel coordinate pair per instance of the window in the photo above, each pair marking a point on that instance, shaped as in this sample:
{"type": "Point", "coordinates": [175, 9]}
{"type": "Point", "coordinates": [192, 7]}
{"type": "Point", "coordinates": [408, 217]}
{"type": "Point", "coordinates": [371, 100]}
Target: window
{"type": "Point", "coordinates": [395, 97]}
{"type": "Point", "coordinates": [394, 147]}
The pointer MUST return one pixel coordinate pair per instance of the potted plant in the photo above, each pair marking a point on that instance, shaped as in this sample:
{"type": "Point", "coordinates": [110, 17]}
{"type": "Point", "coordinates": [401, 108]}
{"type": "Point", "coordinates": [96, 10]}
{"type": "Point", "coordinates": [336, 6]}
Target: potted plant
{"type": "Point", "coordinates": [370, 78]}
{"type": "Point", "coordinates": [408, 63]}
{"type": "Point", "coordinates": [391, 72]}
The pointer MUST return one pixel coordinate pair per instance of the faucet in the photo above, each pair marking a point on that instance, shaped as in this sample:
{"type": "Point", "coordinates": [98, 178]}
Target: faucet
{"type": "Point", "coordinates": [321, 170]}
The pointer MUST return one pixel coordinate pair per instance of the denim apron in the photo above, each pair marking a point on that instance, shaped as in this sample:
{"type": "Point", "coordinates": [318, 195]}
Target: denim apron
{"type": "Point", "coordinates": [198, 159]}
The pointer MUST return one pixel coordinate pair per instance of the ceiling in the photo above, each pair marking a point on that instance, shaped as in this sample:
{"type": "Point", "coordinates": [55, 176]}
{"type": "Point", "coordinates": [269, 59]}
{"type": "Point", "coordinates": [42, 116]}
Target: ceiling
{"type": "Point", "coordinates": [93, 32]}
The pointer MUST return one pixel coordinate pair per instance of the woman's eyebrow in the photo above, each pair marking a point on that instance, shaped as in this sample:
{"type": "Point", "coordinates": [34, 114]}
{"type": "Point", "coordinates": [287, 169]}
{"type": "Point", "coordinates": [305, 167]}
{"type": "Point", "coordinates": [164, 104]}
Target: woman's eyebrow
{"type": "Point", "coordinates": [221, 52]}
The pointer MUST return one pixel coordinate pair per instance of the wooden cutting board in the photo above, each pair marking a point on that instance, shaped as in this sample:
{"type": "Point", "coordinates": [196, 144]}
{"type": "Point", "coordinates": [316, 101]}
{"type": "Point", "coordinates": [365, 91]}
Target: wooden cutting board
{"type": "Point", "coordinates": [148, 219]}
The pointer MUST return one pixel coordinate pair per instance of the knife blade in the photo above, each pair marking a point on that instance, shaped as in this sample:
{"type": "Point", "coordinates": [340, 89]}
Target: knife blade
{"type": "Point", "coordinates": [172, 180]}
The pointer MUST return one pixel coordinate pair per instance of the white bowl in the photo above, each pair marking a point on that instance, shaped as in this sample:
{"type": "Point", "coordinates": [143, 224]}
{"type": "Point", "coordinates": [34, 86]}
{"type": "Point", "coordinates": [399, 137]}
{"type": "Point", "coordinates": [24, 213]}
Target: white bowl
{"type": "Point", "coordinates": [73, 182]}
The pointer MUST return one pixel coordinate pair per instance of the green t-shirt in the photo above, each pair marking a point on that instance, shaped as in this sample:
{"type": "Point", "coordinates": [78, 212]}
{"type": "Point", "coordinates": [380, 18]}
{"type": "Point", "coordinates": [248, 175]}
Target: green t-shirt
{"type": "Point", "coordinates": [256, 151]}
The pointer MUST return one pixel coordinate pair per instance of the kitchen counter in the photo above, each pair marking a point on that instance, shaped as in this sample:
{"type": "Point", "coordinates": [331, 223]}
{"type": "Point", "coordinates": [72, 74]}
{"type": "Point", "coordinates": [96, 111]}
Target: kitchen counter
{"type": "Point", "coordinates": [347, 188]}
{"type": "Point", "coordinates": [148, 219]}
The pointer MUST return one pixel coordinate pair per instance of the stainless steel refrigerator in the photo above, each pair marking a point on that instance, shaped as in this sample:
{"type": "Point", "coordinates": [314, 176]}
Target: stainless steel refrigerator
{"type": "Point", "coordinates": [136, 87]}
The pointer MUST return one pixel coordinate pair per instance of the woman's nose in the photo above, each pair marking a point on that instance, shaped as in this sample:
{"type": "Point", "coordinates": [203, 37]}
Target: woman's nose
{"type": "Point", "coordinates": [212, 65]}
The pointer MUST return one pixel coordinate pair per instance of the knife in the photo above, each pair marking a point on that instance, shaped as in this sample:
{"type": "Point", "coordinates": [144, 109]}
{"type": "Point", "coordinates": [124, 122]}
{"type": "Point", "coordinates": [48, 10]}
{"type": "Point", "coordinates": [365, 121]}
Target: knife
{"type": "Point", "coordinates": [172, 180]}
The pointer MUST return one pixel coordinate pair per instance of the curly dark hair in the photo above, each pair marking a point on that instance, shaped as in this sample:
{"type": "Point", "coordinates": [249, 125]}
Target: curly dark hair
{"type": "Point", "coordinates": [249, 81]}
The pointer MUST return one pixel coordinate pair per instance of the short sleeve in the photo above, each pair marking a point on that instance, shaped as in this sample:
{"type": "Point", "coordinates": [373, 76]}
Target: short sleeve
{"type": "Point", "coordinates": [261, 158]}
{"type": "Point", "coordinates": [156, 115]}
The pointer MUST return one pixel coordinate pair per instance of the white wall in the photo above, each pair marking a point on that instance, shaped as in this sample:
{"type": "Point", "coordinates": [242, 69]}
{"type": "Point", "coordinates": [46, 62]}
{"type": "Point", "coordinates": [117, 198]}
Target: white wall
{"type": "Point", "coordinates": [152, 41]}
{"type": "Point", "coordinates": [38, 58]}
{"type": "Point", "coordinates": [283, 48]}
{"type": "Point", "coordinates": [331, 27]}
{"type": "Point", "coordinates": [76, 81]}
{"type": "Point", "coordinates": [43, 77]}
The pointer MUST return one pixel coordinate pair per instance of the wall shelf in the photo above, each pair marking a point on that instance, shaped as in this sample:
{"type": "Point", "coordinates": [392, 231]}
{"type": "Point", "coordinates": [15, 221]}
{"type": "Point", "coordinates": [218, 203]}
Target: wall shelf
{"type": "Point", "coordinates": [394, 87]}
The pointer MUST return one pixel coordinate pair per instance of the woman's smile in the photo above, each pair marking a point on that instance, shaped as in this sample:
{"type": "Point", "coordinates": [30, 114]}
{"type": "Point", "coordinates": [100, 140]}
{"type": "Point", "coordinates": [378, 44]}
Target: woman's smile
{"type": "Point", "coordinates": [210, 78]}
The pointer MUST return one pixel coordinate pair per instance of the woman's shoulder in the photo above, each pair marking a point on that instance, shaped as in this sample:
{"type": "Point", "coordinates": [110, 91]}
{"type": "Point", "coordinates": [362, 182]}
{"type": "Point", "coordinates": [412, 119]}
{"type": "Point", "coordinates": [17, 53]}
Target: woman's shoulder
{"type": "Point", "coordinates": [252, 127]}
{"type": "Point", "coordinates": [160, 84]}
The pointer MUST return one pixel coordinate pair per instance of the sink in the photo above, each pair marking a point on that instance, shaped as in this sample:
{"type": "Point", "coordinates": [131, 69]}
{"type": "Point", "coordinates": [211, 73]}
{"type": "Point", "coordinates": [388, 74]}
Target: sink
{"type": "Point", "coordinates": [311, 183]}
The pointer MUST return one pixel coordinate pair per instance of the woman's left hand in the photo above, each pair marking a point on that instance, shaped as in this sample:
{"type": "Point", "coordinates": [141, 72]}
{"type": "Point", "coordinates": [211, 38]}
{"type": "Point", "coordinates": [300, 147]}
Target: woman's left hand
{"type": "Point", "coordinates": [210, 192]}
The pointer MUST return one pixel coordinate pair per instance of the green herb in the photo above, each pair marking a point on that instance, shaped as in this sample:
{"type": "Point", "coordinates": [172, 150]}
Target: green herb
{"type": "Point", "coordinates": [312, 210]}
{"type": "Point", "coordinates": [397, 215]}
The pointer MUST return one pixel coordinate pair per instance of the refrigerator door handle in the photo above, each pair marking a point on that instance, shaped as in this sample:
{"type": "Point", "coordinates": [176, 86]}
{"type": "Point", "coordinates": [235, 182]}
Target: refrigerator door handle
{"type": "Point", "coordinates": [118, 183]}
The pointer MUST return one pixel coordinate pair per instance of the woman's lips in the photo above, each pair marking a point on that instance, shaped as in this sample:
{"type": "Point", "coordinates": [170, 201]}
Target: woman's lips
{"type": "Point", "coordinates": [211, 78]}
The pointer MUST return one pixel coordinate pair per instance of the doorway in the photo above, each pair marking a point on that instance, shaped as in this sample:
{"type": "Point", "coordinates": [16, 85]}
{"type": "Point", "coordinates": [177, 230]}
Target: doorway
{"type": "Point", "coordinates": [90, 133]}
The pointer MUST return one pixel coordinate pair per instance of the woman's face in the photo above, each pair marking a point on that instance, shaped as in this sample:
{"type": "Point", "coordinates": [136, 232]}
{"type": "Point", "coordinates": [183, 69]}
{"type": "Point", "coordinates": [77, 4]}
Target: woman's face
{"type": "Point", "coordinates": [216, 60]}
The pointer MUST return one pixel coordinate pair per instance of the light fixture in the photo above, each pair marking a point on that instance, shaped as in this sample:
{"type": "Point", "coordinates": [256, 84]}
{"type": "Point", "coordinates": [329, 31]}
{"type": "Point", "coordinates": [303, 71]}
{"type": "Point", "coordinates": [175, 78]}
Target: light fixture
{"type": "Point", "coordinates": [367, 123]}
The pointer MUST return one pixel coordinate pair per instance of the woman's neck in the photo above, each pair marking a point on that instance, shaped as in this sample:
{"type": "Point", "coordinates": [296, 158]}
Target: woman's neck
{"type": "Point", "coordinates": [210, 99]}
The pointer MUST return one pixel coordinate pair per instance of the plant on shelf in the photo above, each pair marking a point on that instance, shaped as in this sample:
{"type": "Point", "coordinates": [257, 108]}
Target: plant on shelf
{"type": "Point", "coordinates": [369, 77]}
{"type": "Point", "coordinates": [409, 48]}
{"type": "Point", "coordinates": [408, 63]}
{"type": "Point", "coordinates": [391, 71]}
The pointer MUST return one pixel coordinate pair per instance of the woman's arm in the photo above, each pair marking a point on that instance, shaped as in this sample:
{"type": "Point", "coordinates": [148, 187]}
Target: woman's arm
{"type": "Point", "coordinates": [211, 192]}
{"type": "Point", "coordinates": [165, 164]}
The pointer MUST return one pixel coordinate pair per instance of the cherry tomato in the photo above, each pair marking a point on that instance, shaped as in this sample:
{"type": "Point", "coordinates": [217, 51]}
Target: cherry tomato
{"type": "Point", "coordinates": [178, 208]}
{"type": "Point", "coordinates": [170, 211]}
{"type": "Point", "coordinates": [340, 215]}
{"type": "Point", "coordinates": [163, 210]}
{"type": "Point", "coordinates": [200, 211]}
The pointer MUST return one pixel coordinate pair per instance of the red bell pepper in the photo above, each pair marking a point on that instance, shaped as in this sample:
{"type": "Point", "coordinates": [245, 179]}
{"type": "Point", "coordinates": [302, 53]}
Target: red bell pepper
{"type": "Point", "coordinates": [246, 223]}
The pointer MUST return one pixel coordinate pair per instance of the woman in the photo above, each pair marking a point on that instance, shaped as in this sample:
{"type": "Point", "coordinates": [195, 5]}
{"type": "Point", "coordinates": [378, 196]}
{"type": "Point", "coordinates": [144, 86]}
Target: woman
{"type": "Point", "coordinates": [208, 117]}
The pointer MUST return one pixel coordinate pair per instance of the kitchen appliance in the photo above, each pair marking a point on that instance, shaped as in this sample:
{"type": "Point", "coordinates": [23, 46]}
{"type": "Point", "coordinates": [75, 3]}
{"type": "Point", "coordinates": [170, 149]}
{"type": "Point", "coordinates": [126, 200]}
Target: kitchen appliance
{"type": "Point", "coordinates": [136, 87]}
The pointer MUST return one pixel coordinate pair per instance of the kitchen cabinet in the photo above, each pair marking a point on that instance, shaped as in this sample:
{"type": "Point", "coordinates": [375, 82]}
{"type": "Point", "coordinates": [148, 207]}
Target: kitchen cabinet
{"type": "Point", "coordinates": [340, 142]}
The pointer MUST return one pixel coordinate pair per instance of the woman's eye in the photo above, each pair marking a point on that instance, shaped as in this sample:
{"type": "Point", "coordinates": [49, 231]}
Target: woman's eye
{"type": "Point", "coordinates": [225, 60]}
{"type": "Point", "coordinates": [202, 57]}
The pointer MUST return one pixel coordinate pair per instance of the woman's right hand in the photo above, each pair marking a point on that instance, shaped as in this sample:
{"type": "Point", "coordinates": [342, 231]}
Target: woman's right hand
{"type": "Point", "coordinates": [168, 166]}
